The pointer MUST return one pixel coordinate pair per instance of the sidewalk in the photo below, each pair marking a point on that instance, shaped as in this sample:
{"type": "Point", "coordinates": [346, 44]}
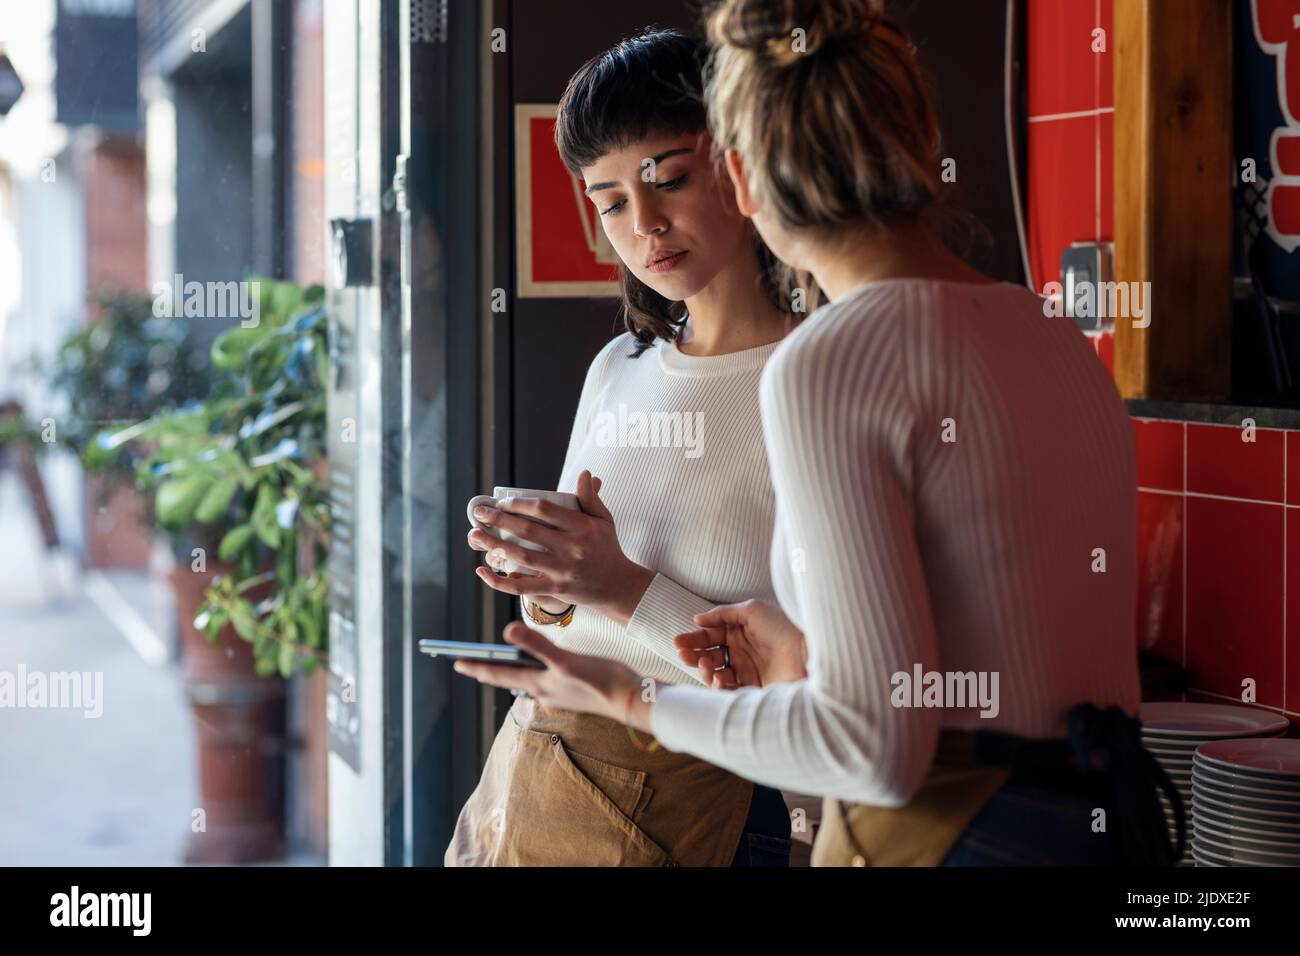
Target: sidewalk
{"type": "Point", "coordinates": [81, 791]}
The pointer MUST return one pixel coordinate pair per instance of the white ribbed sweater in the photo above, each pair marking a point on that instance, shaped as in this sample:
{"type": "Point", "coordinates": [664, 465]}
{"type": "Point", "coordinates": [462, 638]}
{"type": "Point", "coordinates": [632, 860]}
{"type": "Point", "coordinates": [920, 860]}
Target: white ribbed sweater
{"type": "Point", "coordinates": [894, 548]}
{"type": "Point", "coordinates": [677, 442]}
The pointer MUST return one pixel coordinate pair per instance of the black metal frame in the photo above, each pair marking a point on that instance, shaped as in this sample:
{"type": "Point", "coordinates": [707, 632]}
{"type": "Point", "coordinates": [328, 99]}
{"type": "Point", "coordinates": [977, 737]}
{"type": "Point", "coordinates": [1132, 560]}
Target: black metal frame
{"type": "Point", "coordinates": [431, 323]}
{"type": "Point", "coordinates": [272, 27]}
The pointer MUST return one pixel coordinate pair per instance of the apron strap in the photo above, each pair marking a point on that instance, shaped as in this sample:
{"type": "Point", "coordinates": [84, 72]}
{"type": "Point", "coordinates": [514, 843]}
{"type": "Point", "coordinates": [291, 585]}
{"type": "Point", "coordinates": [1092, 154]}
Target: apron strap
{"type": "Point", "coordinates": [1110, 741]}
{"type": "Point", "coordinates": [1102, 756]}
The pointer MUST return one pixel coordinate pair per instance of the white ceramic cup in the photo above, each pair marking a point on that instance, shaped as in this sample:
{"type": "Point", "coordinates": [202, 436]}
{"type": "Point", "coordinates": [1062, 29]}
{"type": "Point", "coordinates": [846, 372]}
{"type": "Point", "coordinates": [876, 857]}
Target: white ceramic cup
{"type": "Point", "coordinates": [499, 494]}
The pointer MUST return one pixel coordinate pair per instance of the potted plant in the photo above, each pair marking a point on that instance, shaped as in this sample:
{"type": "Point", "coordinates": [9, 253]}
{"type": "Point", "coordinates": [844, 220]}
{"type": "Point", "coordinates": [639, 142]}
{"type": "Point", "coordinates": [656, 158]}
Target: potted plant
{"type": "Point", "coordinates": [124, 366]}
{"type": "Point", "coordinates": [243, 471]}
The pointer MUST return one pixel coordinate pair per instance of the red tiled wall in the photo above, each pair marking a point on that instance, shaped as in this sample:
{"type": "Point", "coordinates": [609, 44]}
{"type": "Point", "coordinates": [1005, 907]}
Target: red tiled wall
{"type": "Point", "coordinates": [1071, 122]}
{"type": "Point", "coordinates": [1218, 518]}
{"type": "Point", "coordinates": [1219, 551]}
{"type": "Point", "coordinates": [1070, 195]}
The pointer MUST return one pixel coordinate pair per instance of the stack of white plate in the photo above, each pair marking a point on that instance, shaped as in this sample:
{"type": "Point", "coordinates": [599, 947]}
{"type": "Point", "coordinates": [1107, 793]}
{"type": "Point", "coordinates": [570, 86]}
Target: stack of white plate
{"type": "Point", "coordinates": [1172, 732]}
{"type": "Point", "coordinates": [1246, 803]}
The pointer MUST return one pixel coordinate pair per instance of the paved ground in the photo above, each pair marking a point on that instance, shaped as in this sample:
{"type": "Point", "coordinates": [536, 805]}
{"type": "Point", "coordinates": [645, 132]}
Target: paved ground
{"type": "Point", "coordinates": [79, 791]}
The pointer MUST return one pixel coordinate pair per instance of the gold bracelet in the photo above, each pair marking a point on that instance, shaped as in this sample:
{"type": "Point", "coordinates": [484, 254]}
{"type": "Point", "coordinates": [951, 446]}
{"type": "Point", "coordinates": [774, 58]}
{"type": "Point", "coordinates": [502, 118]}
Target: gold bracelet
{"type": "Point", "coordinates": [632, 735]}
{"type": "Point", "coordinates": [532, 609]}
{"type": "Point", "coordinates": [627, 707]}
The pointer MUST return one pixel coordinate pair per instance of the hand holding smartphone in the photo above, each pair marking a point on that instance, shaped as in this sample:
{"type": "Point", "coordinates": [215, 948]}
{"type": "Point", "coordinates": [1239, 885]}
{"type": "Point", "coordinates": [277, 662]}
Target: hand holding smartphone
{"type": "Point", "coordinates": [506, 655]}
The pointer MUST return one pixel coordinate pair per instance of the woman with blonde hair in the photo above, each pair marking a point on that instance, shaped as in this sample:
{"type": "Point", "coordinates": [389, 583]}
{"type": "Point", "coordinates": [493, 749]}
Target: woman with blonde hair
{"type": "Point", "coordinates": [953, 664]}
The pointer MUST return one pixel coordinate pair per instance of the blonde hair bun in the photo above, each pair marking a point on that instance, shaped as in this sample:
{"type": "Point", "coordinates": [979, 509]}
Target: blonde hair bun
{"type": "Point", "coordinates": [826, 103]}
{"type": "Point", "coordinates": [787, 30]}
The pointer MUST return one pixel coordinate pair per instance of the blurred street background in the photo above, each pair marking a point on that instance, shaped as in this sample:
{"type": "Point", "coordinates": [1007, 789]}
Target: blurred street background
{"type": "Point", "coordinates": [136, 471]}
{"type": "Point", "coordinates": [71, 795]}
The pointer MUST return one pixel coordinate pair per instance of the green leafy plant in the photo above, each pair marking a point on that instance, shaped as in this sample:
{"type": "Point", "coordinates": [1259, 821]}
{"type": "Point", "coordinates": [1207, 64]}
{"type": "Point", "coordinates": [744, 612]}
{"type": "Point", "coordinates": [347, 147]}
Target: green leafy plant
{"type": "Point", "coordinates": [126, 365]}
{"type": "Point", "coordinates": [246, 468]}
{"type": "Point", "coordinates": [16, 430]}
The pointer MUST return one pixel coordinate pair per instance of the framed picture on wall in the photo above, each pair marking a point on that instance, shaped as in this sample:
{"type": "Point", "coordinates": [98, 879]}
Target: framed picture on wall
{"type": "Point", "coordinates": [562, 252]}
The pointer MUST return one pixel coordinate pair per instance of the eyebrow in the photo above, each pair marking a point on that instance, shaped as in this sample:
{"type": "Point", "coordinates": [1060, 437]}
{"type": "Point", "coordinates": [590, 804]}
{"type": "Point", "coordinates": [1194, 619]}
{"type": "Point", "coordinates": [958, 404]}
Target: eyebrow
{"type": "Point", "coordinates": [596, 187]}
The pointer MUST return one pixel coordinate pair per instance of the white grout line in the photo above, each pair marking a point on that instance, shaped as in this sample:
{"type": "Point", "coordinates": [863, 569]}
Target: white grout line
{"type": "Point", "coordinates": [1185, 523]}
{"type": "Point", "coordinates": [1076, 114]}
{"type": "Point", "coordinates": [143, 638]}
{"type": "Point", "coordinates": [1096, 127]}
{"type": "Point", "coordinates": [1170, 421]}
{"type": "Point", "coordinates": [1210, 424]}
{"type": "Point", "coordinates": [1096, 169]}
{"type": "Point", "coordinates": [1205, 494]}
{"type": "Point", "coordinates": [1247, 501]}
{"type": "Point", "coordinates": [1284, 504]}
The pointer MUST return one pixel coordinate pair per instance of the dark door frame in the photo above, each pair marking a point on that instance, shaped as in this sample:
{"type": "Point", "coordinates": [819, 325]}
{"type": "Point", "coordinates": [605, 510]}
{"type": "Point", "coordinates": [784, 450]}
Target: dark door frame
{"type": "Point", "coordinates": [432, 245]}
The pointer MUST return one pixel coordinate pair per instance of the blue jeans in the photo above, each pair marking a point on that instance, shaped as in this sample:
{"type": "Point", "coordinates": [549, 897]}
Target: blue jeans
{"type": "Point", "coordinates": [1024, 825]}
{"type": "Point", "coordinates": [765, 841]}
{"type": "Point", "coordinates": [1046, 814]}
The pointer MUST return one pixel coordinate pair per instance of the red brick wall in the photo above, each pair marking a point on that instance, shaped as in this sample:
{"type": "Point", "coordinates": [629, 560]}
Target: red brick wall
{"type": "Point", "coordinates": [308, 179]}
{"type": "Point", "coordinates": [117, 255]}
{"type": "Point", "coordinates": [118, 534]}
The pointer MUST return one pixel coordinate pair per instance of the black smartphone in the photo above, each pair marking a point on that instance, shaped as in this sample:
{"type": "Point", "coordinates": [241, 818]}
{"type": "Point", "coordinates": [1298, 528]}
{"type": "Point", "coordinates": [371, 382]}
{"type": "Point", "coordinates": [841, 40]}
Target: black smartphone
{"type": "Point", "coordinates": [505, 654]}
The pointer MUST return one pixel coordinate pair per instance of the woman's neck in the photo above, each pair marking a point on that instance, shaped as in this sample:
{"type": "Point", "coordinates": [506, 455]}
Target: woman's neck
{"type": "Point", "coordinates": [733, 313]}
{"type": "Point", "coordinates": [906, 251]}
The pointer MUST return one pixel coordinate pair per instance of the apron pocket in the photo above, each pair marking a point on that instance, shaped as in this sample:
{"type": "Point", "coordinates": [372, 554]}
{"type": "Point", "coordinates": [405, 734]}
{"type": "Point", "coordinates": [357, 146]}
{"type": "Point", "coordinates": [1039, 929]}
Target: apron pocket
{"type": "Point", "coordinates": [570, 809]}
{"type": "Point", "coordinates": [626, 789]}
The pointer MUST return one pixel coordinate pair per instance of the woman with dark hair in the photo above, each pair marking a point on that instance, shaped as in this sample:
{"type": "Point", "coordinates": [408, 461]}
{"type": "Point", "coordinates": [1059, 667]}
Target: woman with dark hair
{"type": "Point", "coordinates": [681, 516]}
{"type": "Point", "coordinates": [956, 504]}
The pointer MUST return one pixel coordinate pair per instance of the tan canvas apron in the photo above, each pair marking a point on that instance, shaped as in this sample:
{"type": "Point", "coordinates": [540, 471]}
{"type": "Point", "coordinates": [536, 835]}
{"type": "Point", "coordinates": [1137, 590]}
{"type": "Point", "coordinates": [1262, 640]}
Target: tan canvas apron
{"type": "Point", "coordinates": [567, 789]}
{"type": "Point", "coordinates": [921, 833]}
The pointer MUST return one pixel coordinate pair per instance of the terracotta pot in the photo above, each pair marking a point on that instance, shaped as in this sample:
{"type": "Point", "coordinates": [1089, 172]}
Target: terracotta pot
{"type": "Point", "coordinates": [314, 788]}
{"type": "Point", "coordinates": [240, 719]}
{"type": "Point", "coordinates": [117, 526]}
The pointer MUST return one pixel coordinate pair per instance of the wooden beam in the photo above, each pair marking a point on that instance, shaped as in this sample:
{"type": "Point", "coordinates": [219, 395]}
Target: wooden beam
{"type": "Point", "coordinates": [1173, 195]}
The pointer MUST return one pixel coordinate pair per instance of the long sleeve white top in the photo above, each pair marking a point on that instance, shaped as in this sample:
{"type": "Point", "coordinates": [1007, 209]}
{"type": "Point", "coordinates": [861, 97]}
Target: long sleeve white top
{"type": "Point", "coordinates": [956, 490]}
{"type": "Point", "coordinates": [677, 442]}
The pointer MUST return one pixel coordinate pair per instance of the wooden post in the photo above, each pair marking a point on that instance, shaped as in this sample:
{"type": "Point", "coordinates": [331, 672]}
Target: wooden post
{"type": "Point", "coordinates": [1173, 195]}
